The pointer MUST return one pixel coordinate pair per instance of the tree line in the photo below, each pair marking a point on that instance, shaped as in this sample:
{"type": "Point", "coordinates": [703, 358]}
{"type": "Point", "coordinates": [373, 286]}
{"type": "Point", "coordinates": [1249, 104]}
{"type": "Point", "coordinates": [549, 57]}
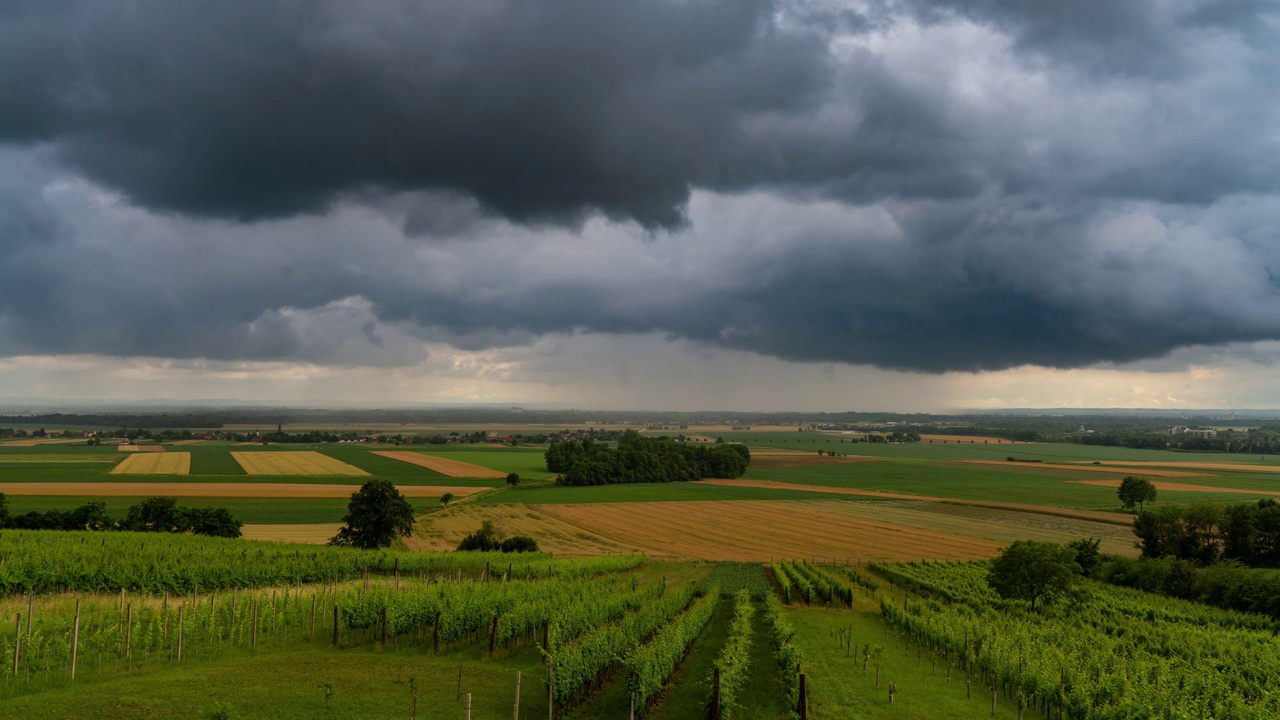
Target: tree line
{"type": "Point", "coordinates": [639, 459]}
{"type": "Point", "coordinates": [155, 514]}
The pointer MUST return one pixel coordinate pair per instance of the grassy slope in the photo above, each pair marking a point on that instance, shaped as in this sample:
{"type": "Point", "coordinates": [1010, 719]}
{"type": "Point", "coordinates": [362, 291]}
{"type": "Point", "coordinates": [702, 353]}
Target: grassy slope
{"type": "Point", "coordinates": [837, 688]}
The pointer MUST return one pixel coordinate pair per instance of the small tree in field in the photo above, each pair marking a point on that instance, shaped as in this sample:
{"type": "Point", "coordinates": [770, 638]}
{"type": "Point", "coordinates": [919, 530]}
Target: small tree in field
{"type": "Point", "coordinates": [1136, 491]}
{"type": "Point", "coordinates": [1033, 571]}
{"type": "Point", "coordinates": [376, 516]}
{"type": "Point", "coordinates": [446, 498]}
{"type": "Point", "coordinates": [513, 479]}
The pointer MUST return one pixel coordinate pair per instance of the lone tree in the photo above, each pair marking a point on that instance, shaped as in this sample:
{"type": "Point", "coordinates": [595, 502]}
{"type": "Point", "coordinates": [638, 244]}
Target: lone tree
{"type": "Point", "coordinates": [446, 498]}
{"type": "Point", "coordinates": [1033, 571]}
{"type": "Point", "coordinates": [376, 515]}
{"type": "Point", "coordinates": [1136, 491]}
{"type": "Point", "coordinates": [513, 479]}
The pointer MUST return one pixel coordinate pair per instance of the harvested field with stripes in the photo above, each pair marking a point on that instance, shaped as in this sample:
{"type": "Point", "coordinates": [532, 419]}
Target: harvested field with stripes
{"type": "Point", "coordinates": [178, 463]}
{"type": "Point", "coordinates": [302, 462]}
{"type": "Point", "coordinates": [1086, 468]}
{"type": "Point", "coordinates": [214, 490]}
{"type": "Point", "coordinates": [442, 465]}
{"type": "Point", "coordinates": [141, 448]}
{"type": "Point", "coordinates": [1194, 464]}
{"type": "Point", "coordinates": [443, 530]}
{"type": "Point", "coordinates": [757, 530]}
{"type": "Point", "coordinates": [317, 534]}
{"type": "Point", "coordinates": [42, 441]}
{"type": "Point", "coordinates": [774, 461]}
{"type": "Point", "coordinates": [6, 458]}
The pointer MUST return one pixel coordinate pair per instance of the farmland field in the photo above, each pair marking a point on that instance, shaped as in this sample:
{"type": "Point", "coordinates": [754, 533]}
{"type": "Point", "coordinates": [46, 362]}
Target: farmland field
{"type": "Point", "coordinates": [445, 466]}
{"type": "Point", "coordinates": [299, 462]}
{"type": "Point", "coordinates": [175, 463]}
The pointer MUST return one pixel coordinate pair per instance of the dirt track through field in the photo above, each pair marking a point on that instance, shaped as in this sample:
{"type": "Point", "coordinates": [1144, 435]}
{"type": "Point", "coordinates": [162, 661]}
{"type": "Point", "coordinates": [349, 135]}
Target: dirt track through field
{"type": "Point", "coordinates": [444, 466]}
{"type": "Point", "coordinates": [1246, 467]}
{"type": "Point", "coordinates": [756, 530]}
{"type": "Point", "coordinates": [1086, 468]}
{"type": "Point", "coordinates": [175, 463]}
{"type": "Point", "coordinates": [1181, 487]}
{"type": "Point", "coordinates": [304, 463]}
{"type": "Point", "coordinates": [1105, 517]}
{"type": "Point", "coordinates": [199, 489]}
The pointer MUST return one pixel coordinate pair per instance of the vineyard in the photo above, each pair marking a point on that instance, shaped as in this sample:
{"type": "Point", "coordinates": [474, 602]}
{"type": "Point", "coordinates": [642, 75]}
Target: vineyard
{"type": "Point", "coordinates": [1107, 654]}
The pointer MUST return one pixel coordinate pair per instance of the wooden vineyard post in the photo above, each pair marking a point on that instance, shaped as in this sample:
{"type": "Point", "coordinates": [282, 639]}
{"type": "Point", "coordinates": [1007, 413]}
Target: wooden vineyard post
{"type": "Point", "coordinates": [384, 627]}
{"type": "Point", "coordinates": [314, 598]}
{"type": "Point", "coordinates": [458, 693]}
{"type": "Point", "coordinates": [468, 706]}
{"type": "Point", "coordinates": [516, 714]}
{"type": "Point", "coordinates": [551, 674]}
{"type": "Point", "coordinates": [335, 625]}
{"type": "Point", "coordinates": [31, 608]}
{"type": "Point", "coordinates": [546, 639]}
{"type": "Point", "coordinates": [633, 706]}
{"type": "Point", "coordinates": [493, 637]}
{"type": "Point", "coordinates": [715, 694]}
{"type": "Point", "coordinates": [17, 645]}
{"type": "Point", "coordinates": [255, 624]}
{"type": "Point", "coordinates": [968, 688]}
{"type": "Point", "coordinates": [893, 687]}
{"type": "Point", "coordinates": [180, 609]}
{"type": "Point", "coordinates": [75, 640]}
{"type": "Point", "coordinates": [993, 701]}
{"type": "Point", "coordinates": [128, 633]}
{"type": "Point", "coordinates": [948, 674]}
{"type": "Point", "coordinates": [802, 708]}
{"type": "Point", "coordinates": [435, 635]}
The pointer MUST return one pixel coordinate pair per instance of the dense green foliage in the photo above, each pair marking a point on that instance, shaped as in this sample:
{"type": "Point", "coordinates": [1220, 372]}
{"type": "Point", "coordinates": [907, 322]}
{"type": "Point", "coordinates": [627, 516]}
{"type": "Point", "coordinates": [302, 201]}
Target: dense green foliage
{"type": "Point", "coordinates": [1136, 491]}
{"type": "Point", "coordinates": [1225, 584]}
{"type": "Point", "coordinates": [376, 516]}
{"type": "Point", "coordinates": [486, 539]}
{"type": "Point", "coordinates": [649, 665]}
{"type": "Point", "coordinates": [48, 561]}
{"type": "Point", "coordinates": [734, 661]}
{"type": "Point", "coordinates": [1205, 532]}
{"type": "Point", "coordinates": [782, 636]}
{"type": "Point", "coordinates": [1034, 571]}
{"type": "Point", "coordinates": [156, 514]}
{"type": "Point", "coordinates": [580, 663]}
{"type": "Point", "coordinates": [1114, 653]}
{"type": "Point", "coordinates": [639, 459]}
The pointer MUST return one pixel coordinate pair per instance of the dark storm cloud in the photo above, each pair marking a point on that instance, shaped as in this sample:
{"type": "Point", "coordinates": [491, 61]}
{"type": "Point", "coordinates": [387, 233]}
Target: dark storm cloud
{"type": "Point", "coordinates": [925, 186]}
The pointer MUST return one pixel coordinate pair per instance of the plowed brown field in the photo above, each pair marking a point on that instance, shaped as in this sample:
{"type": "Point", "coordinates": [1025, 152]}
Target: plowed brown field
{"type": "Point", "coordinates": [444, 466]}
{"type": "Point", "coordinates": [756, 530]}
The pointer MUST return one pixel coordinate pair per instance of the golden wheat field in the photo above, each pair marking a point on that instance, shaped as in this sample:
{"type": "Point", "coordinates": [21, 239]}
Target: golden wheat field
{"type": "Point", "coordinates": [141, 448]}
{"type": "Point", "coordinates": [178, 463]}
{"type": "Point", "coordinates": [302, 462]}
{"type": "Point", "coordinates": [218, 489]}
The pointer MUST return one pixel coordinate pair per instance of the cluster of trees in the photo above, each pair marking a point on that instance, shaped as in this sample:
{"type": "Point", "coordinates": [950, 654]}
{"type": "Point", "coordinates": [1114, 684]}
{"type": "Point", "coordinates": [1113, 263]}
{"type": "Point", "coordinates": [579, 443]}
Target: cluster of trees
{"type": "Point", "coordinates": [489, 539]}
{"type": "Point", "coordinates": [639, 459]}
{"type": "Point", "coordinates": [156, 514]}
{"type": "Point", "coordinates": [1040, 572]}
{"type": "Point", "coordinates": [1204, 533]}
{"type": "Point", "coordinates": [1227, 584]}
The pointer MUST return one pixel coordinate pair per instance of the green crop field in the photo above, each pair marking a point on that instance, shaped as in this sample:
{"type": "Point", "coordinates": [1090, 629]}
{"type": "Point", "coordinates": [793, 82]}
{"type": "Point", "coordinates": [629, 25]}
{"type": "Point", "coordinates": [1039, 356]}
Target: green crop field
{"type": "Point", "coordinates": [664, 492]}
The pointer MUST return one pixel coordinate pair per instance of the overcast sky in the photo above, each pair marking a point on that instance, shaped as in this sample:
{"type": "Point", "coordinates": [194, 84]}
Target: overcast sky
{"type": "Point", "coordinates": [684, 204]}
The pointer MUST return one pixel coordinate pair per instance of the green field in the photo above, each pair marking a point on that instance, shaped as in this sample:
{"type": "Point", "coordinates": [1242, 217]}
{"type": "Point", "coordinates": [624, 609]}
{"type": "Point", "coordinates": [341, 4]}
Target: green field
{"type": "Point", "coordinates": [664, 492]}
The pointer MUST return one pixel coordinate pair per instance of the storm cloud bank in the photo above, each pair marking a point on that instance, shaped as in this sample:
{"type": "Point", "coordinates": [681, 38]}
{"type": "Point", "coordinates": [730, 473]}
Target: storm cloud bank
{"type": "Point", "coordinates": [924, 186]}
